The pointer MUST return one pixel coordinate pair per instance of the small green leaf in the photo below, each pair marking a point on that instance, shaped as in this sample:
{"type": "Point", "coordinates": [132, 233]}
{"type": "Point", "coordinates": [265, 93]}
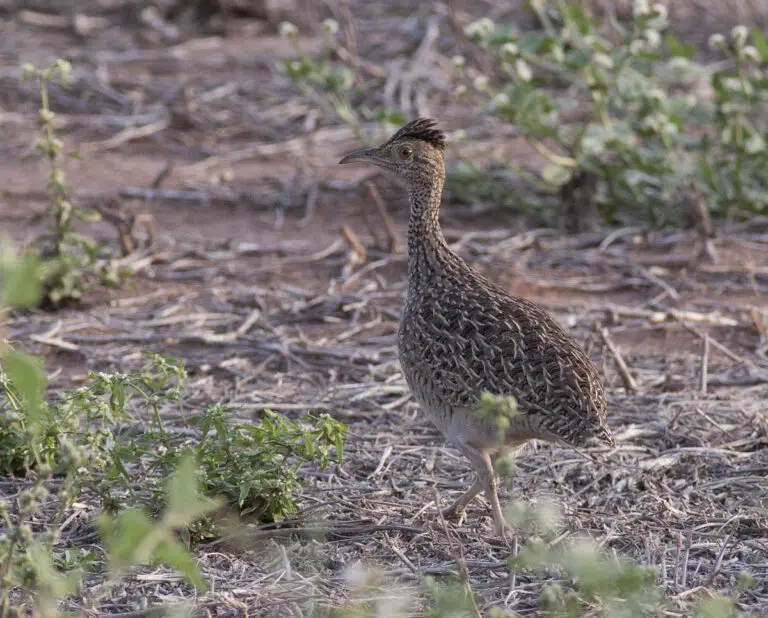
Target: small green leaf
{"type": "Point", "coordinates": [92, 216]}
{"type": "Point", "coordinates": [575, 15]}
{"type": "Point", "coordinates": [118, 395]}
{"type": "Point", "coordinates": [174, 554]}
{"type": "Point", "coordinates": [245, 489]}
{"type": "Point", "coordinates": [51, 584]}
{"type": "Point", "coordinates": [27, 375]}
{"type": "Point", "coordinates": [339, 448]}
{"type": "Point", "coordinates": [123, 536]}
{"type": "Point", "coordinates": [20, 282]}
{"type": "Point", "coordinates": [556, 175]}
{"type": "Point", "coordinates": [185, 502]}
{"type": "Point", "coordinates": [746, 581]}
{"type": "Point", "coordinates": [760, 43]}
{"type": "Point", "coordinates": [754, 144]}
{"type": "Point", "coordinates": [716, 607]}
{"type": "Point", "coordinates": [678, 48]}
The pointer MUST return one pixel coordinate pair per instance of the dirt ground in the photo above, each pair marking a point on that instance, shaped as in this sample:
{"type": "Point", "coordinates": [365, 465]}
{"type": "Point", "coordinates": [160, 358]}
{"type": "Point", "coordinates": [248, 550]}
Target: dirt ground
{"type": "Point", "coordinates": [252, 283]}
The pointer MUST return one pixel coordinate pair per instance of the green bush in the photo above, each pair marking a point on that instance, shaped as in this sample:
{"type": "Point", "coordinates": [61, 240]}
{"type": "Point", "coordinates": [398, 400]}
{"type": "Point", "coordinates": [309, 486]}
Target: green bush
{"type": "Point", "coordinates": [647, 141]}
{"type": "Point", "coordinates": [256, 466]}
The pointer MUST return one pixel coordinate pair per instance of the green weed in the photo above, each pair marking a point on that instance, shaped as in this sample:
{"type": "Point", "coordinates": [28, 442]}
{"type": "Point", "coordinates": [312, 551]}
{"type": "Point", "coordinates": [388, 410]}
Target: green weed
{"type": "Point", "coordinates": [647, 141]}
{"type": "Point", "coordinates": [332, 85]}
{"type": "Point", "coordinates": [256, 466]}
{"type": "Point", "coordinates": [69, 262]}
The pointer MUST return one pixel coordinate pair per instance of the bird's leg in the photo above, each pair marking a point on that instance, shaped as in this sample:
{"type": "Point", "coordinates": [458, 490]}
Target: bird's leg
{"type": "Point", "coordinates": [486, 481]}
{"type": "Point", "coordinates": [455, 510]}
{"type": "Point", "coordinates": [492, 493]}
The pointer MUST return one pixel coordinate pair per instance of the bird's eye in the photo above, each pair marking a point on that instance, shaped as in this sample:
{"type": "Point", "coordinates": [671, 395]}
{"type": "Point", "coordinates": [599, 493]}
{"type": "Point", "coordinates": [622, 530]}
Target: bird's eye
{"type": "Point", "coordinates": [406, 152]}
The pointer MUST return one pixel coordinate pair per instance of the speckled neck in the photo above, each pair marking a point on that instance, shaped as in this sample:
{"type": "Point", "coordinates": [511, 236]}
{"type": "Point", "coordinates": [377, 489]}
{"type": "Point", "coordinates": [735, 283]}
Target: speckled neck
{"type": "Point", "coordinates": [428, 251]}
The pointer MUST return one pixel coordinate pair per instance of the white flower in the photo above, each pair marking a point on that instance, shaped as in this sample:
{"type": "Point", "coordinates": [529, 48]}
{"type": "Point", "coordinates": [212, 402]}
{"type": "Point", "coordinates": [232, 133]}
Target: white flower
{"type": "Point", "coordinates": [479, 29]}
{"type": "Point", "coordinates": [550, 119]}
{"type": "Point", "coordinates": [716, 41]}
{"type": "Point", "coordinates": [523, 70]}
{"type": "Point", "coordinates": [480, 82]}
{"type": "Point", "coordinates": [459, 61]}
{"type": "Point", "coordinates": [509, 51]}
{"type": "Point", "coordinates": [570, 34]}
{"type": "Point", "coordinates": [739, 35]}
{"type": "Point", "coordinates": [64, 67]}
{"type": "Point", "coordinates": [750, 54]}
{"type": "Point", "coordinates": [461, 90]}
{"type": "Point", "coordinates": [651, 123]}
{"type": "Point", "coordinates": [656, 94]}
{"type": "Point", "coordinates": [640, 8]}
{"type": "Point", "coordinates": [668, 127]}
{"type": "Point", "coordinates": [288, 30]}
{"type": "Point", "coordinates": [603, 60]}
{"type": "Point", "coordinates": [330, 26]}
{"type": "Point", "coordinates": [29, 71]}
{"type": "Point", "coordinates": [653, 38]}
{"type": "Point", "coordinates": [679, 63]}
{"type": "Point", "coordinates": [660, 11]}
{"type": "Point", "coordinates": [499, 100]}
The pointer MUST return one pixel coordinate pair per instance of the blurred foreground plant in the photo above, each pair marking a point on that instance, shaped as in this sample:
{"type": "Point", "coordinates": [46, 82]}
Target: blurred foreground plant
{"type": "Point", "coordinates": [91, 440]}
{"type": "Point", "coordinates": [35, 444]}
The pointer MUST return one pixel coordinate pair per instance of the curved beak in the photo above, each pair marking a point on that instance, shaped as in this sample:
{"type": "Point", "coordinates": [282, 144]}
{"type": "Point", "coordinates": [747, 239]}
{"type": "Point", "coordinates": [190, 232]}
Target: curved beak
{"type": "Point", "coordinates": [366, 155]}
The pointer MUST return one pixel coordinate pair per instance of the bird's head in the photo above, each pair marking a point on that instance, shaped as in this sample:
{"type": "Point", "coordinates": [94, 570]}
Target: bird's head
{"type": "Point", "coordinates": [414, 151]}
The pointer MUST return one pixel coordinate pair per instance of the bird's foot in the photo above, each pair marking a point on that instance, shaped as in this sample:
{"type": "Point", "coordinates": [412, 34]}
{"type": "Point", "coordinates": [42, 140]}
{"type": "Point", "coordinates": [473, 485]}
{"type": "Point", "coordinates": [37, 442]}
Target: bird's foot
{"type": "Point", "coordinates": [453, 513]}
{"type": "Point", "coordinates": [502, 529]}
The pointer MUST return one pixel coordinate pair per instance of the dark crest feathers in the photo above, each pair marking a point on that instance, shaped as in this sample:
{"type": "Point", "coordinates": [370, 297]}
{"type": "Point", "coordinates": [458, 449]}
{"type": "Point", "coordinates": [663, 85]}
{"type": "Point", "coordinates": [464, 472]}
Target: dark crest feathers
{"type": "Point", "coordinates": [424, 129]}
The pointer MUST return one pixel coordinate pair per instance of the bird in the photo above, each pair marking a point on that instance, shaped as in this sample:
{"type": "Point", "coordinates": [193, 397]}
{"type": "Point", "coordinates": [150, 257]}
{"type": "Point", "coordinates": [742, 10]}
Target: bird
{"type": "Point", "coordinates": [462, 337]}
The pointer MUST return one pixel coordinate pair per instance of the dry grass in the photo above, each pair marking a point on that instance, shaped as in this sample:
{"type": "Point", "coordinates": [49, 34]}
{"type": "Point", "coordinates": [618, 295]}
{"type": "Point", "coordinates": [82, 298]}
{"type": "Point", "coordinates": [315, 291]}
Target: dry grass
{"type": "Point", "coordinates": [252, 283]}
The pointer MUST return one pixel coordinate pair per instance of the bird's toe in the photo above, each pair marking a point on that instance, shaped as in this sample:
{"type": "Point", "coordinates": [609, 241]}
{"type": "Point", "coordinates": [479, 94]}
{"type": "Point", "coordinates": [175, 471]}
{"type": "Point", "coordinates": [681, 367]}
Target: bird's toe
{"type": "Point", "coordinates": [453, 513]}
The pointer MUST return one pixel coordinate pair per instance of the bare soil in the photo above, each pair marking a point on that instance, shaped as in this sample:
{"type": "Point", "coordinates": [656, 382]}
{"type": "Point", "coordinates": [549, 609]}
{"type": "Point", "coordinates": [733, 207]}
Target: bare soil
{"type": "Point", "coordinates": [258, 229]}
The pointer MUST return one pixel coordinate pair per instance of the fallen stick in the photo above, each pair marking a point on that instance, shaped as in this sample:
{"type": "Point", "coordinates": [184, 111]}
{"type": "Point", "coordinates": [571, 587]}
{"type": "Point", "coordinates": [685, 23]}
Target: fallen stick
{"type": "Point", "coordinates": [626, 377]}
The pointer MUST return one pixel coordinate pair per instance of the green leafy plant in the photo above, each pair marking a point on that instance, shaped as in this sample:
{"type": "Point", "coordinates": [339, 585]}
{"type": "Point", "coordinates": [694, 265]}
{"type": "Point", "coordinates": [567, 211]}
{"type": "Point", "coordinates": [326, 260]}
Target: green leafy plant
{"type": "Point", "coordinates": [70, 262]}
{"type": "Point", "coordinates": [134, 538]}
{"type": "Point", "coordinates": [498, 410]}
{"type": "Point", "coordinates": [87, 439]}
{"type": "Point", "coordinates": [333, 85]}
{"type": "Point", "coordinates": [636, 140]}
{"type": "Point", "coordinates": [620, 586]}
{"type": "Point", "coordinates": [734, 156]}
{"type": "Point", "coordinates": [256, 466]}
{"type": "Point", "coordinates": [625, 137]}
{"type": "Point", "coordinates": [451, 598]}
{"type": "Point", "coordinates": [90, 416]}
{"type": "Point", "coordinates": [594, 580]}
